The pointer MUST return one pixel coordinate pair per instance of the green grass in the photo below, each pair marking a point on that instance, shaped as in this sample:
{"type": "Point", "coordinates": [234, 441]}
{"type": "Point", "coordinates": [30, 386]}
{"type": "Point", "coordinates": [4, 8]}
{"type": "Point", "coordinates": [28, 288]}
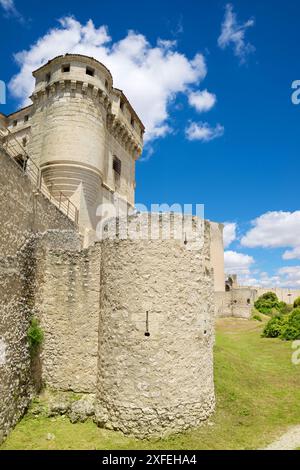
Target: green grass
{"type": "Point", "coordinates": [258, 398]}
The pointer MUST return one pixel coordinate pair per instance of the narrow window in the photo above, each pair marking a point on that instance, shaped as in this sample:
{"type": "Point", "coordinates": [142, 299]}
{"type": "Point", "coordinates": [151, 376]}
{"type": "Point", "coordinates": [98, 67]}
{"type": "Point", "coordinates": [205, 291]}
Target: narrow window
{"type": "Point", "coordinates": [106, 84]}
{"type": "Point", "coordinates": [26, 118]}
{"type": "Point", "coordinates": [117, 164]}
{"type": "Point", "coordinates": [15, 123]}
{"type": "Point", "coordinates": [66, 68]}
{"type": "Point", "coordinates": [48, 77]}
{"type": "Point", "coordinates": [24, 141]}
{"type": "Point", "coordinates": [122, 105]}
{"type": "Point", "coordinates": [90, 71]}
{"type": "Point", "coordinates": [132, 122]}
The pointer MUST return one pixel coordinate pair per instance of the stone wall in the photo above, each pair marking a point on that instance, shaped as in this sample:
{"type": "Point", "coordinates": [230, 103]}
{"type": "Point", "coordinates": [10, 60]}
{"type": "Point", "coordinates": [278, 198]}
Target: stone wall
{"type": "Point", "coordinates": [236, 303]}
{"type": "Point", "coordinates": [93, 308]}
{"type": "Point", "coordinates": [69, 312]}
{"type": "Point", "coordinates": [155, 376]}
{"type": "Point", "coordinates": [23, 212]}
{"type": "Point", "coordinates": [284, 295]}
{"type": "Point", "coordinates": [15, 359]}
{"type": "Point", "coordinates": [129, 319]}
{"type": "Point", "coordinates": [23, 216]}
{"type": "Point", "coordinates": [217, 255]}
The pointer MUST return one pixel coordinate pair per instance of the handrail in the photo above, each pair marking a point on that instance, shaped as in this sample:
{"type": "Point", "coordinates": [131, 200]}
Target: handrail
{"type": "Point", "coordinates": [15, 150]}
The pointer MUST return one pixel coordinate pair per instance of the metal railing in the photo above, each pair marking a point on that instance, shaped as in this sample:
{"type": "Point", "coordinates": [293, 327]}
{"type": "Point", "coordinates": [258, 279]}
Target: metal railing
{"type": "Point", "coordinates": [10, 144]}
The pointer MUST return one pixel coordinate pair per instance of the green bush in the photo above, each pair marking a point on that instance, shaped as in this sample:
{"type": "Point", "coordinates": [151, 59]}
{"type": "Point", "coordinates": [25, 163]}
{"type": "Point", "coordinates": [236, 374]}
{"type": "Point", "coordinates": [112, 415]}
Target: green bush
{"type": "Point", "coordinates": [267, 303]}
{"type": "Point", "coordinates": [297, 302]}
{"type": "Point", "coordinates": [35, 336]}
{"type": "Point", "coordinates": [273, 327]}
{"type": "Point", "coordinates": [285, 308]}
{"type": "Point", "coordinates": [286, 327]}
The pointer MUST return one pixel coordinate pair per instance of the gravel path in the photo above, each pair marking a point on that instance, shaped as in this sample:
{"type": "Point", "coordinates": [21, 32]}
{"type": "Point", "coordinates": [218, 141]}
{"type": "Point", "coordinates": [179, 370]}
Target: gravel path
{"type": "Point", "coordinates": [290, 440]}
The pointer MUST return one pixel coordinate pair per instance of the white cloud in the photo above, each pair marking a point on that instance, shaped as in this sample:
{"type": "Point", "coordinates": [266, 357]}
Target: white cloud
{"type": "Point", "coordinates": [8, 6]}
{"type": "Point", "coordinates": [237, 263]}
{"type": "Point", "coordinates": [10, 9]}
{"type": "Point", "coordinates": [290, 276]}
{"type": "Point", "coordinates": [233, 34]}
{"type": "Point", "coordinates": [203, 131]}
{"type": "Point", "coordinates": [276, 230]}
{"type": "Point", "coordinates": [151, 76]}
{"type": "Point", "coordinates": [292, 254]}
{"type": "Point", "coordinates": [202, 100]}
{"type": "Point", "coordinates": [229, 233]}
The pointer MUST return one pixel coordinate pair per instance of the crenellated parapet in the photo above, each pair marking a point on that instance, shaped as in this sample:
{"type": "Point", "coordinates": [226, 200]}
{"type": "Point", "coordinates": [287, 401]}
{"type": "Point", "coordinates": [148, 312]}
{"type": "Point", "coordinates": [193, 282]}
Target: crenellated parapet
{"type": "Point", "coordinates": [124, 135]}
{"type": "Point", "coordinates": [66, 87]}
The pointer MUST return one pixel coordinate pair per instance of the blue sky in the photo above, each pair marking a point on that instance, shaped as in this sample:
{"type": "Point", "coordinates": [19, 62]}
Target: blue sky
{"type": "Point", "coordinates": [218, 95]}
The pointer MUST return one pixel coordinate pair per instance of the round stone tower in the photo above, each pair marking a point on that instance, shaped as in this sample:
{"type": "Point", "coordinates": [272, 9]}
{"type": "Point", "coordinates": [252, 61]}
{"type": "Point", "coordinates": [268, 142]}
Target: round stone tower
{"type": "Point", "coordinates": [156, 333]}
{"type": "Point", "coordinates": [79, 125]}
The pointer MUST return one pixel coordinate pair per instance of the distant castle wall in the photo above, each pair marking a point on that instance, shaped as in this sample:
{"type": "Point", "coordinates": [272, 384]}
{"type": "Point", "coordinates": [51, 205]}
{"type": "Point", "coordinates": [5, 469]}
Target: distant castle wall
{"type": "Point", "coordinates": [237, 303]}
{"type": "Point", "coordinates": [284, 295]}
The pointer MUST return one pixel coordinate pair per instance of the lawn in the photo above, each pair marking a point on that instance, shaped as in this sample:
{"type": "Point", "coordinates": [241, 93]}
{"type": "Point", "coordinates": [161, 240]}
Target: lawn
{"type": "Point", "coordinates": [258, 398]}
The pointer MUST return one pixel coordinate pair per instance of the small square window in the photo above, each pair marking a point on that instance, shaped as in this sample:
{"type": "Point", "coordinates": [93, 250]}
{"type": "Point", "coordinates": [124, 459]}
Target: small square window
{"type": "Point", "coordinates": [66, 68]}
{"type": "Point", "coordinates": [26, 118]}
{"type": "Point", "coordinates": [117, 164]}
{"type": "Point", "coordinates": [90, 71]}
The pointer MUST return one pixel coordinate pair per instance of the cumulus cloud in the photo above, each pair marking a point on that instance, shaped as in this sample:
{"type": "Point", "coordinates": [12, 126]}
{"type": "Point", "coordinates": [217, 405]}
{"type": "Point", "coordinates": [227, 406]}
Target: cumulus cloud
{"type": "Point", "coordinates": [203, 131]}
{"type": "Point", "coordinates": [292, 254]}
{"type": "Point", "coordinates": [290, 276]}
{"type": "Point", "coordinates": [233, 34]}
{"type": "Point", "coordinates": [276, 229]}
{"type": "Point", "coordinates": [237, 263]}
{"type": "Point", "coordinates": [229, 233]}
{"type": "Point", "coordinates": [151, 76]}
{"type": "Point", "coordinates": [202, 100]}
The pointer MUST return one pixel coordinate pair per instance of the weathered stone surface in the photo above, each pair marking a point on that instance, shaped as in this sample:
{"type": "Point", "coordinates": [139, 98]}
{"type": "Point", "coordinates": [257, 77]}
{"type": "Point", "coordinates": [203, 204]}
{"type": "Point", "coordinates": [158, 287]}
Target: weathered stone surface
{"type": "Point", "coordinates": [82, 409]}
{"type": "Point", "coordinates": [163, 382]}
{"type": "Point", "coordinates": [23, 217]}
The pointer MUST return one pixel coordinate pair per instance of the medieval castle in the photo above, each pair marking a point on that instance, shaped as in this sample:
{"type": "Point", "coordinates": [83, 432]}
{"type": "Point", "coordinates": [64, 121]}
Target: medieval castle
{"type": "Point", "coordinates": [128, 320]}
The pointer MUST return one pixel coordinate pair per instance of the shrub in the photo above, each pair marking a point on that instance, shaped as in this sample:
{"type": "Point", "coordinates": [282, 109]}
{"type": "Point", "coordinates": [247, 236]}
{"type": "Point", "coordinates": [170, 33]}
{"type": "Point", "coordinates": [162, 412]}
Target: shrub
{"type": "Point", "coordinates": [273, 327]}
{"type": "Point", "coordinates": [297, 302]}
{"type": "Point", "coordinates": [35, 336]}
{"type": "Point", "coordinates": [285, 308]}
{"type": "Point", "coordinates": [291, 330]}
{"type": "Point", "coordinates": [286, 327]}
{"type": "Point", "coordinates": [267, 303]}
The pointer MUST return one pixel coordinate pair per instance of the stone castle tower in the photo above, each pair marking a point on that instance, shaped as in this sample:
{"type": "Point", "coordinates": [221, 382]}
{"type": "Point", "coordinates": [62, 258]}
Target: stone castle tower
{"type": "Point", "coordinates": [83, 134]}
{"type": "Point", "coordinates": [129, 321]}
